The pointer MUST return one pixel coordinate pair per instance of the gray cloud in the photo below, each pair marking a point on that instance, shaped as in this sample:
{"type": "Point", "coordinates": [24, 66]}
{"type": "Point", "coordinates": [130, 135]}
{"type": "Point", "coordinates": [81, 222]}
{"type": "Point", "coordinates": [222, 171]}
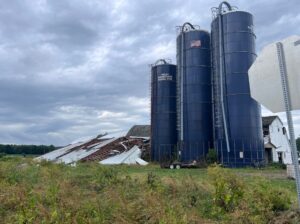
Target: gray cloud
{"type": "Point", "coordinates": [76, 68]}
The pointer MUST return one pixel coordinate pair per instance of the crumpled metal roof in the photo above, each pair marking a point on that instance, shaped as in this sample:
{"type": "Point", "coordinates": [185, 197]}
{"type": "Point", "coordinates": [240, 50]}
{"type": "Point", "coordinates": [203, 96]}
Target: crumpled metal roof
{"type": "Point", "coordinates": [81, 153]}
{"type": "Point", "coordinates": [98, 149]}
{"type": "Point", "coordinates": [132, 156]}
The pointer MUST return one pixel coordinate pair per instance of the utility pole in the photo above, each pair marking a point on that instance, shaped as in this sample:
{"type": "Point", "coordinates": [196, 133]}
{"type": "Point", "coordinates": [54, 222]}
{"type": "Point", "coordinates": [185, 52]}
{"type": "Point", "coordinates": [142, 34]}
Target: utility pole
{"type": "Point", "coordinates": [288, 108]}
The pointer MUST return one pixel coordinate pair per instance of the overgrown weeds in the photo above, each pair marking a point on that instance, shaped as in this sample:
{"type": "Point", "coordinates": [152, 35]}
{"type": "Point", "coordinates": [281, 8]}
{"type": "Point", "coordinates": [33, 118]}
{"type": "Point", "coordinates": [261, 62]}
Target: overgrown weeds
{"type": "Point", "coordinates": [257, 202]}
{"type": "Point", "coordinates": [229, 189]}
{"type": "Point", "coordinates": [91, 193]}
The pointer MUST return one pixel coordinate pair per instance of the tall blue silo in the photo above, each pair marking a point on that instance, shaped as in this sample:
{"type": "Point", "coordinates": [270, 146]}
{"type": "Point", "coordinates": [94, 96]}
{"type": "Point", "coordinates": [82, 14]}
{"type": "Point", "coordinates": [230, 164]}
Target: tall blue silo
{"type": "Point", "coordinates": [194, 103]}
{"type": "Point", "coordinates": [163, 111]}
{"type": "Point", "coordinates": [237, 117]}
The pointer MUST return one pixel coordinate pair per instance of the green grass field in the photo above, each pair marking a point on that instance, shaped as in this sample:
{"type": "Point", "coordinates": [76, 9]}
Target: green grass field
{"type": "Point", "coordinates": [91, 193]}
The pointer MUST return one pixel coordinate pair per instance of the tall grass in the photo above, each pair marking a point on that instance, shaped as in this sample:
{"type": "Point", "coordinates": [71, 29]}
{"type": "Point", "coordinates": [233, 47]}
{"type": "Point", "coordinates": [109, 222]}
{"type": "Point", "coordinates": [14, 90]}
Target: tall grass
{"type": "Point", "coordinates": [91, 193]}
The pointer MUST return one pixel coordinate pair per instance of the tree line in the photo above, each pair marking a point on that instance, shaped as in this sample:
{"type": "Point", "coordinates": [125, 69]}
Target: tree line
{"type": "Point", "coordinates": [42, 149]}
{"type": "Point", "coordinates": [26, 149]}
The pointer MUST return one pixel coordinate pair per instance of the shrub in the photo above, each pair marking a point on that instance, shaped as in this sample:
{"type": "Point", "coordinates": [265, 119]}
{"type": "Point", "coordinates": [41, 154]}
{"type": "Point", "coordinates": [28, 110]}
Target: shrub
{"type": "Point", "coordinates": [262, 202]}
{"type": "Point", "coordinates": [277, 165]}
{"type": "Point", "coordinates": [279, 199]}
{"type": "Point", "coordinates": [273, 198]}
{"type": "Point", "coordinates": [211, 156]}
{"type": "Point", "coordinates": [229, 189]}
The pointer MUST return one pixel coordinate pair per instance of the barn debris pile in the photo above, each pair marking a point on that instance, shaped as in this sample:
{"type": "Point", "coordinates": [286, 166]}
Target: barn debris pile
{"type": "Point", "coordinates": [132, 156]}
{"type": "Point", "coordinates": [121, 150]}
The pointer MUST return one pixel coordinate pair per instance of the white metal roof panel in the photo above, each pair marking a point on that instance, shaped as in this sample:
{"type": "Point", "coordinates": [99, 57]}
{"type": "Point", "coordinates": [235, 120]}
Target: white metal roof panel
{"type": "Point", "coordinates": [132, 156]}
{"type": "Point", "coordinates": [59, 152]}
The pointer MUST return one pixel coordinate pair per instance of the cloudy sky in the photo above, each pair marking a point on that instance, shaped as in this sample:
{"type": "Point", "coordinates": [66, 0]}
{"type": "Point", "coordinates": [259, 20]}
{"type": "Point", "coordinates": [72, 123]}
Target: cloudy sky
{"type": "Point", "coordinates": [73, 68]}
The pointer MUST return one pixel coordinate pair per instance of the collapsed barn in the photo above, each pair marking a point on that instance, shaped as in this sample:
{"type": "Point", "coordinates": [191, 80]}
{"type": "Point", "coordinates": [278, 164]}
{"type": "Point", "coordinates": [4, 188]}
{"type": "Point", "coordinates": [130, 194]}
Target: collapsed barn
{"type": "Point", "coordinates": [122, 150]}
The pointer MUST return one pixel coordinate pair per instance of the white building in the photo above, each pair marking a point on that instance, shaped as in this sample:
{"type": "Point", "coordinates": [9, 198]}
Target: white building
{"type": "Point", "coordinates": [277, 145]}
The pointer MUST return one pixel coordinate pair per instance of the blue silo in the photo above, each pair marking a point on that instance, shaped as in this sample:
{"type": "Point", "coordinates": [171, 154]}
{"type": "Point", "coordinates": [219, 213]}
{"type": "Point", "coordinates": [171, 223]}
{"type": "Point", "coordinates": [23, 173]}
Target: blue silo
{"type": "Point", "coordinates": [194, 103]}
{"type": "Point", "coordinates": [237, 117]}
{"type": "Point", "coordinates": [163, 111]}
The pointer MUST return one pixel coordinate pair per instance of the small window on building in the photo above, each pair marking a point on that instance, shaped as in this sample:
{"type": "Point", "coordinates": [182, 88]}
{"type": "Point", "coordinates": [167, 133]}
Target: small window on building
{"type": "Point", "coordinates": [278, 129]}
{"type": "Point", "coordinates": [241, 154]}
{"type": "Point", "coordinates": [284, 130]}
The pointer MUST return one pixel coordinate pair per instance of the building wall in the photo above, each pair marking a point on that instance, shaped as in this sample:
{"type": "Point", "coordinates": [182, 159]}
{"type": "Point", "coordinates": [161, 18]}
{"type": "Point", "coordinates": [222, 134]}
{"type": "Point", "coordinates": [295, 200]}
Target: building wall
{"type": "Point", "coordinates": [275, 156]}
{"type": "Point", "coordinates": [280, 140]}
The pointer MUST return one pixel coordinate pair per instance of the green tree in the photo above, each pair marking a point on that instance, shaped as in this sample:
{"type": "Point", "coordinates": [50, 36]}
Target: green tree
{"type": "Point", "coordinates": [26, 149]}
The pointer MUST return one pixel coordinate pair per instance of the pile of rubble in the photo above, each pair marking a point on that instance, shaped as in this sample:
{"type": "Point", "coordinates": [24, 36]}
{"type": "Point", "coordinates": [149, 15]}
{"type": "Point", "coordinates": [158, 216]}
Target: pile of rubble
{"type": "Point", "coordinates": [121, 150]}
